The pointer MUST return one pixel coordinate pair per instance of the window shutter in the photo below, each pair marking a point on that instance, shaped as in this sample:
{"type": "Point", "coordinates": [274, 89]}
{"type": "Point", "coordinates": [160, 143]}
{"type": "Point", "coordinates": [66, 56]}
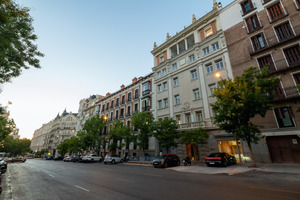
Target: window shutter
{"type": "Point", "coordinates": [202, 34]}
{"type": "Point", "coordinates": [214, 28]}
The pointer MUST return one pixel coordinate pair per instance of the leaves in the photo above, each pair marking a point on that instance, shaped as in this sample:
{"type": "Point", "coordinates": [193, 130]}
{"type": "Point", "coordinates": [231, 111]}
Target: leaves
{"type": "Point", "coordinates": [17, 50]}
{"type": "Point", "coordinates": [193, 136]}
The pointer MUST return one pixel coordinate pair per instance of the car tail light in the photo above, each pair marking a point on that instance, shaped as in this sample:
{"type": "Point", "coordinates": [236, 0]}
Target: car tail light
{"type": "Point", "coordinates": [110, 158]}
{"type": "Point", "coordinates": [213, 158]}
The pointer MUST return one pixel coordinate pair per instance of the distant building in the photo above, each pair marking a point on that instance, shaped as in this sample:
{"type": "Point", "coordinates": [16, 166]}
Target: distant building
{"type": "Point", "coordinates": [15, 134]}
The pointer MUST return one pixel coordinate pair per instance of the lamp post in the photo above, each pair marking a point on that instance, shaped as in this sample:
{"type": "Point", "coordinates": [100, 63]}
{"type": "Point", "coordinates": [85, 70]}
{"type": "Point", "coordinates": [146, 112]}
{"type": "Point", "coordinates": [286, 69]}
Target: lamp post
{"type": "Point", "coordinates": [218, 75]}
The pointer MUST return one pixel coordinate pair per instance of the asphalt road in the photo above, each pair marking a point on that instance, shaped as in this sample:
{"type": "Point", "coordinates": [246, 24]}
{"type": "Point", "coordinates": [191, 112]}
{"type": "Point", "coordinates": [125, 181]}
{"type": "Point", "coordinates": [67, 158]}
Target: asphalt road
{"type": "Point", "coordinates": [50, 180]}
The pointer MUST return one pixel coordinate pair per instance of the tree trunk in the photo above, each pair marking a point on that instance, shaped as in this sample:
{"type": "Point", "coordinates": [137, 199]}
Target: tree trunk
{"type": "Point", "coordinates": [251, 155]}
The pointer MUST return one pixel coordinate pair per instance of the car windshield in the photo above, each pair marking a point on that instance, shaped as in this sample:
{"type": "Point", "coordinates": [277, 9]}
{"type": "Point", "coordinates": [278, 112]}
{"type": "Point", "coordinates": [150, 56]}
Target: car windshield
{"type": "Point", "coordinates": [162, 157]}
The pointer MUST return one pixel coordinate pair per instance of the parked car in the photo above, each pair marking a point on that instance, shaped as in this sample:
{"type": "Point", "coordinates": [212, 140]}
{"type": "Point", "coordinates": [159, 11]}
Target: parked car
{"type": "Point", "coordinates": [59, 158]}
{"type": "Point", "coordinates": [49, 158]}
{"type": "Point", "coordinates": [3, 166]}
{"type": "Point", "coordinates": [220, 159]}
{"type": "Point", "coordinates": [67, 159]}
{"type": "Point", "coordinates": [76, 158]}
{"type": "Point", "coordinates": [18, 159]}
{"type": "Point", "coordinates": [166, 161]}
{"type": "Point", "coordinates": [92, 158]}
{"type": "Point", "coordinates": [112, 159]}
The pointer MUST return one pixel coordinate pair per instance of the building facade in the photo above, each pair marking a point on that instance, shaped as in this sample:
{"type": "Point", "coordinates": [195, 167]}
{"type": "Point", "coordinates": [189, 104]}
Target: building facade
{"type": "Point", "coordinates": [184, 78]}
{"type": "Point", "coordinates": [39, 136]}
{"type": "Point", "coordinates": [267, 33]}
{"type": "Point", "coordinates": [122, 104]}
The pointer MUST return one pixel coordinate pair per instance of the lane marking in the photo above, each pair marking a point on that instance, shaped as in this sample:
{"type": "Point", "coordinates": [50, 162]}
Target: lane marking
{"type": "Point", "coordinates": [51, 175]}
{"type": "Point", "coordinates": [275, 190]}
{"type": "Point", "coordinates": [124, 180]}
{"type": "Point", "coordinates": [82, 188]}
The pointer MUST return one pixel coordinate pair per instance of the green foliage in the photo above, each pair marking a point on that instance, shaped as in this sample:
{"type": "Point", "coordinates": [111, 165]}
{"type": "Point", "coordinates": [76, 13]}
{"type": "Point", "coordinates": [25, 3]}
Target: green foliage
{"type": "Point", "coordinates": [143, 121]}
{"type": "Point", "coordinates": [128, 136]}
{"type": "Point", "coordinates": [6, 127]}
{"type": "Point", "coordinates": [17, 50]}
{"type": "Point", "coordinates": [241, 99]}
{"type": "Point", "coordinates": [165, 132]}
{"type": "Point", "coordinates": [193, 136]}
{"type": "Point", "coordinates": [115, 135]}
{"type": "Point", "coordinates": [74, 145]}
{"type": "Point", "coordinates": [16, 146]}
{"type": "Point", "coordinates": [63, 147]}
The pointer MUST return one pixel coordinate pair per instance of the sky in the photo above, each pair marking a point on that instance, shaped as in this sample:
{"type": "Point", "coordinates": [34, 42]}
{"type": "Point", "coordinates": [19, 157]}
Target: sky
{"type": "Point", "coordinates": [91, 47]}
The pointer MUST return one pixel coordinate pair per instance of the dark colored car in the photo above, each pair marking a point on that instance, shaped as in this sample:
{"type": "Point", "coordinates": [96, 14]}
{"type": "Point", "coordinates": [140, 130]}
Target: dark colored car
{"type": "Point", "coordinates": [49, 158]}
{"type": "Point", "coordinates": [166, 161]}
{"type": "Point", "coordinates": [3, 166]}
{"type": "Point", "coordinates": [220, 159]}
{"type": "Point", "coordinates": [77, 158]}
{"type": "Point", "coordinates": [59, 158]}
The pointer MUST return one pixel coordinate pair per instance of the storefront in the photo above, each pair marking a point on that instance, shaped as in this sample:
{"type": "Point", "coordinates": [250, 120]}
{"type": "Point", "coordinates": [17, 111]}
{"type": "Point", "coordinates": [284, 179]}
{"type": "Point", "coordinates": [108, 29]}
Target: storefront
{"type": "Point", "coordinates": [232, 148]}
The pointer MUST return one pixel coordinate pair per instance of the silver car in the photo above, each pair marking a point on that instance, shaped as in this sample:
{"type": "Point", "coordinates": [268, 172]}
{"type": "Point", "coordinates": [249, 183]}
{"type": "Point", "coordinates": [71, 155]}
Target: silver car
{"type": "Point", "coordinates": [112, 159]}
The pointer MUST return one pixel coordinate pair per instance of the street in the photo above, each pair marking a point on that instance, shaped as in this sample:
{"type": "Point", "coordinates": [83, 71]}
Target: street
{"type": "Point", "coordinates": [46, 179]}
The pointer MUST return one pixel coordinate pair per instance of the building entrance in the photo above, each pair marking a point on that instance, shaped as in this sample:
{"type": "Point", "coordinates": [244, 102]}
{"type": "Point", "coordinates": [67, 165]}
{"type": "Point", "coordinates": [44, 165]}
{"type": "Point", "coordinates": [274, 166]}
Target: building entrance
{"type": "Point", "coordinates": [231, 147]}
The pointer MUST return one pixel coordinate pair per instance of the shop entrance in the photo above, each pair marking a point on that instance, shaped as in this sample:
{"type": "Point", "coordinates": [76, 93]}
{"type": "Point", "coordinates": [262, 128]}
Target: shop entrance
{"type": "Point", "coordinates": [192, 151]}
{"type": "Point", "coordinates": [231, 147]}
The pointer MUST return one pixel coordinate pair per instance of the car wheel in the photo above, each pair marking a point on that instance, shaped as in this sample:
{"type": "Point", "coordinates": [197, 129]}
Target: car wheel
{"type": "Point", "coordinates": [92, 160]}
{"type": "Point", "coordinates": [178, 163]}
{"type": "Point", "coordinates": [225, 163]}
{"type": "Point", "coordinates": [113, 162]}
{"type": "Point", "coordinates": [105, 163]}
{"type": "Point", "coordinates": [165, 164]}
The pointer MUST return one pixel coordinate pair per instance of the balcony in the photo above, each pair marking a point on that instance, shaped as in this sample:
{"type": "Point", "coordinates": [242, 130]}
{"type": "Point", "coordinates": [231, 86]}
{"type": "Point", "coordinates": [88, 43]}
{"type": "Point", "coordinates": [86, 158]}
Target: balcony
{"type": "Point", "coordinates": [121, 116]}
{"type": "Point", "coordinates": [147, 108]}
{"type": "Point", "coordinates": [136, 97]}
{"type": "Point", "coordinates": [128, 114]}
{"type": "Point", "coordinates": [145, 92]}
{"type": "Point", "coordinates": [129, 100]}
{"type": "Point", "coordinates": [123, 102]}
{"type": "Point", "coordinates": [287, 93]}
{"type": "Point", "coordinates": [204, 124]}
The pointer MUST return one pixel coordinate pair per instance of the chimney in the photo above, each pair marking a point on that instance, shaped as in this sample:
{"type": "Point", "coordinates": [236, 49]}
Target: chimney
{"type": "Point", "coordinates": [134, 80]}
{"type": "Point", "coordinates": [122, 86]}
{"type": "Point", "coordinates": [107, 94]}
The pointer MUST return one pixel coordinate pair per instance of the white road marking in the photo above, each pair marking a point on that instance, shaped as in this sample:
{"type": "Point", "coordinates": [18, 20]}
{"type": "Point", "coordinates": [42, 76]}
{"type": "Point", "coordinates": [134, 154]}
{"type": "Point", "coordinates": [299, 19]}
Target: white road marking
{"type": "Point", "coordinates": [82, 188]}
{"type": "Point", "coordinates": [51, 175]}
{"type": "Point", "coordinates": [276, 190]}
{"type": "Point", "coordinates": [124, 180]}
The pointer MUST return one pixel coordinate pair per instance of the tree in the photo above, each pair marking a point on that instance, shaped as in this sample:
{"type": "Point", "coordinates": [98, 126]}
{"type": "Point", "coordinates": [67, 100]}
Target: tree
{"type": "Point", "coordinates": [63, 148]}
{"type": "Point", "coordinates": [16, 146]}
{"type": "Point", "coordinates": [241, 99]}
{"type": "Point", "coordinates": [143, 121]}
{"type": "Point", "coordinates": [165, 132]}
{"type": "Point", "coordinates": [74, 145]}
{"type": "Point", "coordinates": [17, 50]}
{"type": "Point", "coordinates": [128, 137]}
{"type": "Point", "coordinates": [115, 136]}
{"type": "Point", "coordinates": [93, 129]}
{"type": "Point", "coordinates": [6, 127]}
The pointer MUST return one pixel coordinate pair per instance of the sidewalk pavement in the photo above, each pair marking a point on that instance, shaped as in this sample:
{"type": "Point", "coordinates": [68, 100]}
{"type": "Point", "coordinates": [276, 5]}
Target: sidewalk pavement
{"type": "Point", "coordinates": [290, 168]}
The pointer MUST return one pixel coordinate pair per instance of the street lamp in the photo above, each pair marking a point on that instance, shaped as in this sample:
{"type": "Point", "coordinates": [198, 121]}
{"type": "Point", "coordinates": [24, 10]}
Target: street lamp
{"type": "Point", "coordinates": [218, 75]}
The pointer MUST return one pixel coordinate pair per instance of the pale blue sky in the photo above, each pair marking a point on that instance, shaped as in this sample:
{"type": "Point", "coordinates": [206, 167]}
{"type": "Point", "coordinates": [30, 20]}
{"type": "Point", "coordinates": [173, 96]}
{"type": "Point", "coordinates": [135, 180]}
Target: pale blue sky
{"type": "Point", "coordinates": [91, 47]}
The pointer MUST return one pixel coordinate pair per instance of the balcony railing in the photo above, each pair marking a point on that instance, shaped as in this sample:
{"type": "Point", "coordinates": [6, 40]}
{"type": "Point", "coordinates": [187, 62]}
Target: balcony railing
{"type": "Point", "coordinates": [136, 97]}
{"type": "Point", "coordinates": [197, 124]}
{"type": "Point", "coordinates": [145, 92]}
{"type": "Point", "coordinates": [287, 93]}
{"type": "Point", "coordinates": [147, 108]}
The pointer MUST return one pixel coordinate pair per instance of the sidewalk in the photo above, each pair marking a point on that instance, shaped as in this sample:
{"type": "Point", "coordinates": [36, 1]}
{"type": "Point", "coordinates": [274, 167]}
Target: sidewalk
{"type": "Point", "coordinates": [233, 169]}
{"type": "Point", "coordinates": [237, 169]}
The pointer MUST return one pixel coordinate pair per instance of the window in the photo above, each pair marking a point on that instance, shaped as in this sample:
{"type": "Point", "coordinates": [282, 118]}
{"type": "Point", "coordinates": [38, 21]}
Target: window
{"type": "Point", "coordinates": [136, 93]}
{"type": "Point", "coordinates": [107, 106]}
{"type": "Point", "coordinates": [160, 104]}
{"type": "Point", "coordinates": [297, 78]}
{"type": "Point", "coordinates": [178, 119]}
{"type": "Point", "coordinates": [161, 58]}
{"type": "Point", "coordinates": [258, 42]}
{"type": "Point", "coordinates": [166, 103]}
{"type": "Point", "coordinates": [174, 66]}
{"type": "Point", "coordinates": [276, 12]}
{"type": "Point", "coordinates": [208, 32]}
{"type": "Point", "coordinates": [206, 51]}
{"type": "Point", "coordinates": [181, 46]}
{"type": "Point", "coordinates": [292, 55]}
{"type": "Point", "coordinates": [187, 118]}
{"type": "Point", "coordinates": [176, 82]}
{"type": "Point", "coordinates": [196, 94]}
{"type": "Point", "coordinates": [284, 117]}
{"type": "Point", "coordinates": [128, 123]}
{"type": "Point", "coordinates": [117, 103]}
{"type": "Point", "coordinates": [158, 74]}
{"type": "Point", "coordinates": [209, 69]}
{"type": "Point", "coordinates": [112, 104]}
{"type": "Point", "coordinates": [129, 97]}
{"type": "Point", "coordinates": [159, 88]}
{"type": "Point", "coordinates": [194, 75]}
{"type": "Point", "coordinates": [123, 99]}
{"type": "Point", "coordinates": [192, 58]}
{"type": "Point", "coordinates": [128, 111]}
{"type": "Point", "coordinates": [136, 107]}
{"type": "Point", "coordinates": [122, 113]}
{"type": "Point", "coordinates": [146, 104]}
{"type": "Point", "coordinates": [111, 115]}
{"type": "Point", "coordinates": [215, 46]}
{"type": "Point", "coordinates": [199, 117]}
{"type": "Point", "coordinates": [165, 85]}
{"type": "Point", "coordinates": [103, 107]}
{"type": "Point", "coordinates": [146, 88]}
{"type": "Point", "coordinates": [266, 61]}
{"type": "Point", "coordinates": [164, 71]}
{"type": "Point", "coordinates": [211, 88]}
{"type": "Point", "coordinates": [219, 65]}
{"type": "Point", "coordinates": [177, 100]}
{"type": "Point", "coordinates": [284, 32]}
{"type": "Point", "coordinates": [247, 6]}
{"type": "Point", "coordinates": [117, 114]}
{"type": "Point", "coordinates": [297, 4]}
{"type": "Point", "coordinates": [252, 23]}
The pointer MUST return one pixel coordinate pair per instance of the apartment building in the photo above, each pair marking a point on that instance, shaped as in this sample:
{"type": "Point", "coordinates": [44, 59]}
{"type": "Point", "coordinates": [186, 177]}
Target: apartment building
{"type": "Point", "coordinates": [39, 136]}
{"type": "Point", "coordinates": [267, 32]}
{"type": "Point", "coordinates": [62, 128]}
{"type": "Point", "coordinates": [122, 104]}
{"type": "Point", "coordinates": [87, 109]}
{"type": "Point", "coordinates": [184, 78]}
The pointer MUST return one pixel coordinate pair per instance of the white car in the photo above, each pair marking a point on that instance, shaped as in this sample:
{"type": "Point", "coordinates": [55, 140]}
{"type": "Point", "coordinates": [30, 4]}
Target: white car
{"type": "Point", "coordinates": [112, 159]}
{"type": "Point", "coordinates": [92, 158]}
